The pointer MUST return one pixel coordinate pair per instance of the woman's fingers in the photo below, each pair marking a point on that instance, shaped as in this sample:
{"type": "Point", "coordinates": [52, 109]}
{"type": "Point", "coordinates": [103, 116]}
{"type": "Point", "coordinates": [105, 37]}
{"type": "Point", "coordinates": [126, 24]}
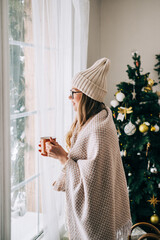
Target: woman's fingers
{"type": "Point", "coordinates": [53, 141]}
{"type": "Point", "coordinates": [45, 155]}
{"type": "Point", "coordinates": [49, 147]}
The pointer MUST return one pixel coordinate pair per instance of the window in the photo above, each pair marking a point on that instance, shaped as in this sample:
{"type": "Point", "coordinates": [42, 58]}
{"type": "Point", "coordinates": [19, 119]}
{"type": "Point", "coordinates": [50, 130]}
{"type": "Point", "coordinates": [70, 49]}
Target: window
{"type": "Point", "coordinates": [26, 216]}
{"type": "Point", "coordinates": [40, 80]}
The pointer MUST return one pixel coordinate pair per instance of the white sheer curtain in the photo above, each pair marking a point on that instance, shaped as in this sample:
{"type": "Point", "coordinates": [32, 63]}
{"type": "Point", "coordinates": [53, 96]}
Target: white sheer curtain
{"type": "Point", "coordinates": [81, 28]}
{"type": "Point", "coordinates": [61, 40]}
{"type": "Point", "coordinates": [4, 125]}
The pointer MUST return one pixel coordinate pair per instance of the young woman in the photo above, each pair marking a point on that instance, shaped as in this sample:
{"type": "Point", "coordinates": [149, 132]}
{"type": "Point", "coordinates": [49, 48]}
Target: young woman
{"type": "Point", "coordinates": [93, 175]}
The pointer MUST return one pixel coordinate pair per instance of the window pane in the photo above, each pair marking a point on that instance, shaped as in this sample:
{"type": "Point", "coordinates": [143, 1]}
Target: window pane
{"type": "Point", "coordinates": [20, 16]}
{"type": "Point", "coordinates": [22, 86]}
{"type": "Point", "coordinates": [25, 193]}
{"type": "Point", "coordinates": [26, 212]}
{"type": "Point", "coordinates": [23, 152]}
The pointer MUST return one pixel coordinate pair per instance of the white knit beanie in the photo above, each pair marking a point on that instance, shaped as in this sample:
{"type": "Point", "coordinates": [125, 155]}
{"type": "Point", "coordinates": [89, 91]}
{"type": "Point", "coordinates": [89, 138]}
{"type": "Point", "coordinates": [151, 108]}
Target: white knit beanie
{"type": "Point", "coordinates": [92, 81]}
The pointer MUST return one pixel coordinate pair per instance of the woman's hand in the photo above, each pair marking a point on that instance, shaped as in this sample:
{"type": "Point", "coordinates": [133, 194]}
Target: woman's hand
{"type": "Point", "coordinates": [55, 150]}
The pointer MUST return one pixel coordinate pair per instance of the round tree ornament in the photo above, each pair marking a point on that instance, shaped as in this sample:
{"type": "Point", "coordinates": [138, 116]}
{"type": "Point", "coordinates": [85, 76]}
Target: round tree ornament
{"type": "Point", "coordinates": [154, 219]}
{"type": "Point", "coordinates": [153, 129]}
{"type": "Point", "coordinates": [130, 129]}
{"type": "Point", "coordinates": [150, 82]}
{"type": "Point", "coordinates": [114, 103]}
{"type": "Point", "coordinates": [143, 128]}
{"type": "Point", "coordinates": [156, 127]}
{"type": "Point", "coordinates": [120, 96]}
{"type": "Point", "coordinates": [153, 169]}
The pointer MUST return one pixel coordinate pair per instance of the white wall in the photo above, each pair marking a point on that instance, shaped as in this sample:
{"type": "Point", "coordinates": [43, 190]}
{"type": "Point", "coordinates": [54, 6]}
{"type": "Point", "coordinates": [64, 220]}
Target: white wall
{"type": "Point", "coordinates": [121, 27]}
{"type": "Point", "coordinates": [94, 32]}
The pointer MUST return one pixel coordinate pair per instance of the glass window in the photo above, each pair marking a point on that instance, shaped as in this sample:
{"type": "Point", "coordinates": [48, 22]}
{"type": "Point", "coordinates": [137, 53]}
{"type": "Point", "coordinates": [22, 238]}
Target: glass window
{"type": "Point", "coordinates": [26, 216]}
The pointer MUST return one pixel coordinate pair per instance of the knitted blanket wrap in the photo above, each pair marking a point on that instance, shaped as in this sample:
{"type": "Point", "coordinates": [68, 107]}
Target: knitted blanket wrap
{"type": "Point", "coordinates": [95, 184]}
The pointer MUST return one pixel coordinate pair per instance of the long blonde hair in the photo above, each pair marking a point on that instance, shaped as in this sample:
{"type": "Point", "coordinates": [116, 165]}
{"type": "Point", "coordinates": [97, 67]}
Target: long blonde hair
{"type": "Point", "coordinates": [87, 108]}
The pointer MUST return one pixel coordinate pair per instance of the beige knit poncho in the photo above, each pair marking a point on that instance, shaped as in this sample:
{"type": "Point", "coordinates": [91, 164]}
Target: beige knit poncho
{"type": "Point", "coordinates": [94, 182]}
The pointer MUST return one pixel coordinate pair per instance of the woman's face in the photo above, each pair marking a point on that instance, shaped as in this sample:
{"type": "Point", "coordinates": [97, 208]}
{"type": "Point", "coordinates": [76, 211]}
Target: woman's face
{"type": "Point", "coordinates": [75, 97]}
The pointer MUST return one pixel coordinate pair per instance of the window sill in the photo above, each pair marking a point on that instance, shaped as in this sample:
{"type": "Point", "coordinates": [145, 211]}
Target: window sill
{"type": "Point", "coordinates": [25, 227]}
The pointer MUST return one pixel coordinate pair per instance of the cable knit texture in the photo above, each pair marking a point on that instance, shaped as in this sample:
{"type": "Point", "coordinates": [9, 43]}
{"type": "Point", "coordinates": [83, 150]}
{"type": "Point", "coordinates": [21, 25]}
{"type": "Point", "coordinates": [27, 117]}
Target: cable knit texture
{"type": "Point", "coordinates": [93, 81]}
{"type": "Point", "coordinates": [95, 184]}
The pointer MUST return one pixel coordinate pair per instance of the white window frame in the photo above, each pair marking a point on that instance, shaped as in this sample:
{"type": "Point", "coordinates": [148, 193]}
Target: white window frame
{"type": "Point", "coordinates": [5, 222]}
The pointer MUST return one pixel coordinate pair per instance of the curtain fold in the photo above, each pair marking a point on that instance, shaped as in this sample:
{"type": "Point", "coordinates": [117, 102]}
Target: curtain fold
{"type": "Point", "coordinates": [61, 38]}
{"type": "Point", "coordinates": [5, 225]}
{"type": "Point", "coordinates": [81, 30]}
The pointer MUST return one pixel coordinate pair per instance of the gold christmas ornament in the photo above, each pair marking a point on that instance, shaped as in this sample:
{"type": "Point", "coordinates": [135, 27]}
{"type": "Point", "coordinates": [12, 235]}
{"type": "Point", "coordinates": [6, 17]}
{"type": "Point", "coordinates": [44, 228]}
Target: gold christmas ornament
{"type": "Point", "coordinates": [125, 111]}
{"type": "Point", "coordinates": [153, 129]}
{"type": "Point", "coordinates": [154, 219]}
{"type": "Point", "coordinates": [148, 88]}
{"type": "Point", "coordinates": [153, 201]}
{"type": "Point", "coordinates": [143, 128]}
{"type": "Point", "coordinates": [150, 82]}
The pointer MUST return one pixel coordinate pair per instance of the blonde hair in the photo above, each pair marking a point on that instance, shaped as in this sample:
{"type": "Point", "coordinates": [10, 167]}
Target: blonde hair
{"type": "Point", "coordinates": [87, 108]}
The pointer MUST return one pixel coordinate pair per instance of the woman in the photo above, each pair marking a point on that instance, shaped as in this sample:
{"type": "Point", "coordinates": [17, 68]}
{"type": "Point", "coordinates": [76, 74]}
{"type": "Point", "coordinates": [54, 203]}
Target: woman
{"type": "Point", "coordinates": [93, 175]}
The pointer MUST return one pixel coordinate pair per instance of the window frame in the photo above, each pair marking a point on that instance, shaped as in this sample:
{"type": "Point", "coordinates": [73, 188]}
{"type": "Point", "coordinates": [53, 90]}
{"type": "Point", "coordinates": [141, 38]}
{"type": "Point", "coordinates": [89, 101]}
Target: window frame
{"type": "Point", "coordinates": [5, 223]}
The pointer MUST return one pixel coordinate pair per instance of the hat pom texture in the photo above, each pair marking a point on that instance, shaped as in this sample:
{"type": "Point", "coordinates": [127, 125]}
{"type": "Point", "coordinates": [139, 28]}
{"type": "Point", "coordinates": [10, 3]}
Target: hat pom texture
{"type": "Point", "coordinates": [93, 81]}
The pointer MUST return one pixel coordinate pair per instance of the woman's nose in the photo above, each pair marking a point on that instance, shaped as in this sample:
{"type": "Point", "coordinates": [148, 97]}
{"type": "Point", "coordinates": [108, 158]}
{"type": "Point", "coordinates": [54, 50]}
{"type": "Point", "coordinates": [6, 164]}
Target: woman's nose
{"type": "Point", "coordinates": [70, 97]}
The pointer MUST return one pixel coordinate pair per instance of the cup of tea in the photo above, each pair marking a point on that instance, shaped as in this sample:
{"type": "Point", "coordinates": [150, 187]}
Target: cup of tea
{"type": "Point", "coordinates": [43, 144]}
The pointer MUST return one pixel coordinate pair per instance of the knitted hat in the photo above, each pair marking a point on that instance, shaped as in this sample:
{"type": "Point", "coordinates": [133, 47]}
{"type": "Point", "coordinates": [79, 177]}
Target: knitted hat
{"type": "Point", "coordinates": [92, 81]}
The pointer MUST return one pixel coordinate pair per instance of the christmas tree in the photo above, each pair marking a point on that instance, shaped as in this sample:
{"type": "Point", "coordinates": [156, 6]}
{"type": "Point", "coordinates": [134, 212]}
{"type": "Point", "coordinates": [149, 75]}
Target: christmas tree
{"type": "Point", "coordinates": [136, 114]}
